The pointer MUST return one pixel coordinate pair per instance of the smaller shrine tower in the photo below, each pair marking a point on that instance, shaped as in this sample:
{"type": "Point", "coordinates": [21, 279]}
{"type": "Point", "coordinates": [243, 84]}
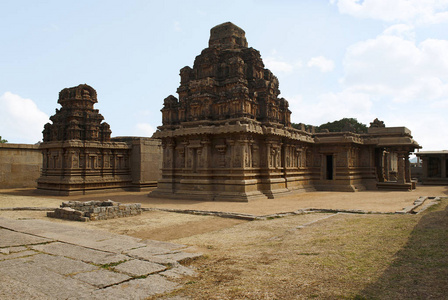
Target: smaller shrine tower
{"type": "Point", "coordinates": [78, 154]}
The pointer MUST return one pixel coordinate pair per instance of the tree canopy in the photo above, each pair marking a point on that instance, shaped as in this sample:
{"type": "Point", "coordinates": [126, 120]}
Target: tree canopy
{"type": "Point", "coordinates": [345, 124]}
{"type": "Point", "coordinates": [2, 141]}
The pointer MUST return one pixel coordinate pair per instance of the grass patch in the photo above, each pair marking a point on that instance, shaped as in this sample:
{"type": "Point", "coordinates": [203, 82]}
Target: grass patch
{"type": "Point", "coordinates": [348, 256]}
{"type": "Point", "coordinates": [420, 269]}
{"type": "Point", "coordinates": [111, 265]}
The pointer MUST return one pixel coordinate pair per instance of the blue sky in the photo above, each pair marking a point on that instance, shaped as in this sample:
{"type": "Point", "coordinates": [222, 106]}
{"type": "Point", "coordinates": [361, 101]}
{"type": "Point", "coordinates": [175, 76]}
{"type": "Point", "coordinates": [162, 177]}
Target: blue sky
{"type": "Point", "coordinates": [385, 59]}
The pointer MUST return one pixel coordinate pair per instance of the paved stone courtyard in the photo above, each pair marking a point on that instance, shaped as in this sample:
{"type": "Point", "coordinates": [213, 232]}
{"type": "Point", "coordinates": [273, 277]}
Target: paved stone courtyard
{"type": "Point", "coordinates": [47, 260]}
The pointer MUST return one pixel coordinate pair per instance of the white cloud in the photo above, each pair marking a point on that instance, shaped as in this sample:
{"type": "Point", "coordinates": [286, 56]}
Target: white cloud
{"type": "Point", "coordinates": [277, 65]}
{"type": "Point", "coordinates": [401, 30]}
{"type": "Point", "coordinates": [324, 64]}
{"type": "Point", "coordinates": [419, 11]}
{"type": "Point", "coordinates": [176, 26]}
{"type": "Point", "coordinates": [393, 66]}
{"type": "Point", "coordinates": [330, 107]}
{"type": "Point", "coordinates": [406, 81]}
{"type": "Point", "coordinates": [144, 129]}
{"type": "Point", "coordinates": [427, 128]}
{"type": "Point", "coordinates": [21, 119]}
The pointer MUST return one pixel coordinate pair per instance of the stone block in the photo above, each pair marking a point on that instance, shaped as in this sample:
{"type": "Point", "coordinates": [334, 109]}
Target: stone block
{"type": "Point", "coordinates": [138, 268]}
{"type": "Point", "coordinates": [80, 253]}
{"type": "Point", "coordinates": [178, 271]}
{"type": "Point", "coordinates": [136, 289]}
{"type": "Point", "coordinates": [12, 238]}
{"type": "Point", "coordinates": [101, 278]}
{"type": "Point", "coordinates": [62, 265]}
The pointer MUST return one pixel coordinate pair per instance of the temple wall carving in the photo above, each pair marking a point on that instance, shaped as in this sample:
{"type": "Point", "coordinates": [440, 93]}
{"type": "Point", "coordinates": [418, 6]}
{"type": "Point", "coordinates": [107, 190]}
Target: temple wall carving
{"type": "Point", "coordinates": [229, 137]}
{"type": "Point", "coordinates": [79, 154]}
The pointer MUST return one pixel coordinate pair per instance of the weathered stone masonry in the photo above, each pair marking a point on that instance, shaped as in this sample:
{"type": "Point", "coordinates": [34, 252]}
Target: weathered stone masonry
{"type": "Point", "coordinates": [20, 165]}
{"type": "Point", "coordinates": [229, 136]}
{"type": "Point", "coordinates": [94, 210]}
{"type": "Point", "coordinates": [79, 154]}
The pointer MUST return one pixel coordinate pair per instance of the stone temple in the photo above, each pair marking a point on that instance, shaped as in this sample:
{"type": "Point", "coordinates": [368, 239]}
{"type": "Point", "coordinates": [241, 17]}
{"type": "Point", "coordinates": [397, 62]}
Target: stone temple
{"type": "Point", "coordinates": [79, 154]}
{"type": "Point", "coordinates": [229, 137]}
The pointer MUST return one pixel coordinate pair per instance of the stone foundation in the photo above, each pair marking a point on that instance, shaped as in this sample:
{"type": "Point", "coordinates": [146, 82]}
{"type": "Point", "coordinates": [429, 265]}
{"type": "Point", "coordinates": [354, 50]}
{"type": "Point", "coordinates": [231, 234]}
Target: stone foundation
{"type": "Point", "coordinates": [94, 210]}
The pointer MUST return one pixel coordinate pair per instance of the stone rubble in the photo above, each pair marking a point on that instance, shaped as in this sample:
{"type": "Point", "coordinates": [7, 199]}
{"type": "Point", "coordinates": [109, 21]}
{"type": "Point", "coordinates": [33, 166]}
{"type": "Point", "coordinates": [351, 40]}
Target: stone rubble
{"type": "Point", "coordinates": [94, 210]}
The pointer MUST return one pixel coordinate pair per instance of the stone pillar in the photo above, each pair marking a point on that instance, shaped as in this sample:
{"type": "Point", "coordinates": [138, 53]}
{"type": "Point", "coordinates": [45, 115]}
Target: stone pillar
{"type": "Point", "coordinates": [268, 157]}
{"type": "Point", "coordinates": [231, 152]}
{"type": "Point", "coordinates": [255, 156]}
{"type": "Point", "coordinates": [386, 166]}
{"type": "Point", "coordinates": [407, 166]}
{"type": "Point", "coordinates": [401, 178]}
{"type": "Point", "coordinates": [381, 165]}
{"type": "Point", "coordinates": [171, 163]}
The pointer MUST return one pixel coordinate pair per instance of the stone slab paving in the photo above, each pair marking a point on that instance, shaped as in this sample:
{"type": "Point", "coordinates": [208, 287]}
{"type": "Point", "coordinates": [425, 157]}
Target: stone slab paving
{"type": "Point", "coordinates": [12, 249]}
{"type": "Point", "coordinates": [80, 253]}
{"type": "Point", "coordinates": [14, 289]}
{"type": "Point", "coordinates": [134, 289]}
{"type": "Point", "coordinates": [139, 268]}
{"type": "Point", "coordinates": [95, 239]}
{"type": "Point", "coordinates": [62, 265]}
{"type": "Point", "coordinates": [10, 238]}
{"type": "Point", "coordinates": [20, 254]}
{"type": "Point", "coordinates": [37, 277]}
{"type": "Point", "coordinates": [178, 271]}
{"type": "Point", "coordinates": [43, 260]}
{"type": "Point", "coordinates": [102, 278]}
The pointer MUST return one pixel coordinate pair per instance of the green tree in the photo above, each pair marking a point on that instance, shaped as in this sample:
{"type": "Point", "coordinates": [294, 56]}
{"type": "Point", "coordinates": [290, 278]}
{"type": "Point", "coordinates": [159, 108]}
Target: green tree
{"type": "Point", "coordinates": [2, 141]}
{"type": "Point", "coordinates": [343, 125]}
{"type": "Point", "coordinates": [298, 126]}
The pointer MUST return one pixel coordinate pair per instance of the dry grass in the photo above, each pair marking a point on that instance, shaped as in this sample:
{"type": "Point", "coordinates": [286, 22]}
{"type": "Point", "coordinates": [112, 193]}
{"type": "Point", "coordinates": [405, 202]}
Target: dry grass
{"type": "Point", "coordinates": [339, 256]}
{"type": "Point", "coordinates": [344, 256]}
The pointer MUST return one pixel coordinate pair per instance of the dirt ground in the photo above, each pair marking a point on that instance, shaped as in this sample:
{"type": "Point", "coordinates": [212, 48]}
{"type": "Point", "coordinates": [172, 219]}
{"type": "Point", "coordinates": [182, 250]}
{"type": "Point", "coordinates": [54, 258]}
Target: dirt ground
{"type": "Point", "coordinates": [316, 255]}
{"type": "Point", "coordinates": [381, 201]}
{"type": "Point", "coordinates": [165, 226]}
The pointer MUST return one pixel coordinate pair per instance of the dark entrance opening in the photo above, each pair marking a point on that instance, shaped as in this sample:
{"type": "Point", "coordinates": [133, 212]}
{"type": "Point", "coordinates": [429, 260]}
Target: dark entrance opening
{"type": "Point", "coordinates": [434, 167]}
{"type": "Point", "coordinates": [329, 169]}
{"type": "Point", "coordinates": [446, 166]}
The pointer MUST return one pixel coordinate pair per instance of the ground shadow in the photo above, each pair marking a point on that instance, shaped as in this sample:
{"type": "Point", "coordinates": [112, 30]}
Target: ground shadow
{"type": "Point", "coordinates": [420, 269]}
{"type": "Point", "coordinates": [446, 191]}
{"type": "Point", "coordinates": [20, 192]}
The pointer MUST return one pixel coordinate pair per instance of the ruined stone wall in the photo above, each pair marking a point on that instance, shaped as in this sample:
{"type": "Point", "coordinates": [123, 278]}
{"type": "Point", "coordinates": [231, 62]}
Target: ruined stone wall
{"type": "Point", "coordinates": [20, 165]}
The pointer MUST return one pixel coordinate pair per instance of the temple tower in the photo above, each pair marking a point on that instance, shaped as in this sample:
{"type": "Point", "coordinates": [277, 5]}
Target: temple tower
{"type": "Point", "coordinates": [229, 136]}
{"type": "Point", "coordinates": [78, 154]}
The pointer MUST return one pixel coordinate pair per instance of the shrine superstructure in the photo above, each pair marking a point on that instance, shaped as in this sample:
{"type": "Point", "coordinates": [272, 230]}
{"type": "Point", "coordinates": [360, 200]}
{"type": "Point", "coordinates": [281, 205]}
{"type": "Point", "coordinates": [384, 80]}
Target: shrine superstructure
{"type": "Point", "coordinates": [229, 137]}
{"type": "Point", "coordinates": [79, 155]}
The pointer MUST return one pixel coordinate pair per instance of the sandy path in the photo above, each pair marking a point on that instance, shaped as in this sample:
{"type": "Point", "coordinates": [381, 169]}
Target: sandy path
{"type": "Point", "coordinates": [382, 201]}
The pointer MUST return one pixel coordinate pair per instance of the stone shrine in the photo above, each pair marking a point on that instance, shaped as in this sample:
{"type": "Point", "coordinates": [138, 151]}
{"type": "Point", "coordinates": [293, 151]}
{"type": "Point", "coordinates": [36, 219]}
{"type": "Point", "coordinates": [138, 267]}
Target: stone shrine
{"type": "Point", "coordinates": [435, 166]}
{"type": "Point", "coordinates": [229, 137]}
{"type": "Point", "coordinates": [79, 154]}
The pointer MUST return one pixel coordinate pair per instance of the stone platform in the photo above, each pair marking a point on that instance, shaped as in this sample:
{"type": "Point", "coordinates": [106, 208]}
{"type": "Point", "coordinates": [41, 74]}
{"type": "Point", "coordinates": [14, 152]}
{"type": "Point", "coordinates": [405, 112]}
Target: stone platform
{"type": "Point", "coordinates": [43, 260]}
